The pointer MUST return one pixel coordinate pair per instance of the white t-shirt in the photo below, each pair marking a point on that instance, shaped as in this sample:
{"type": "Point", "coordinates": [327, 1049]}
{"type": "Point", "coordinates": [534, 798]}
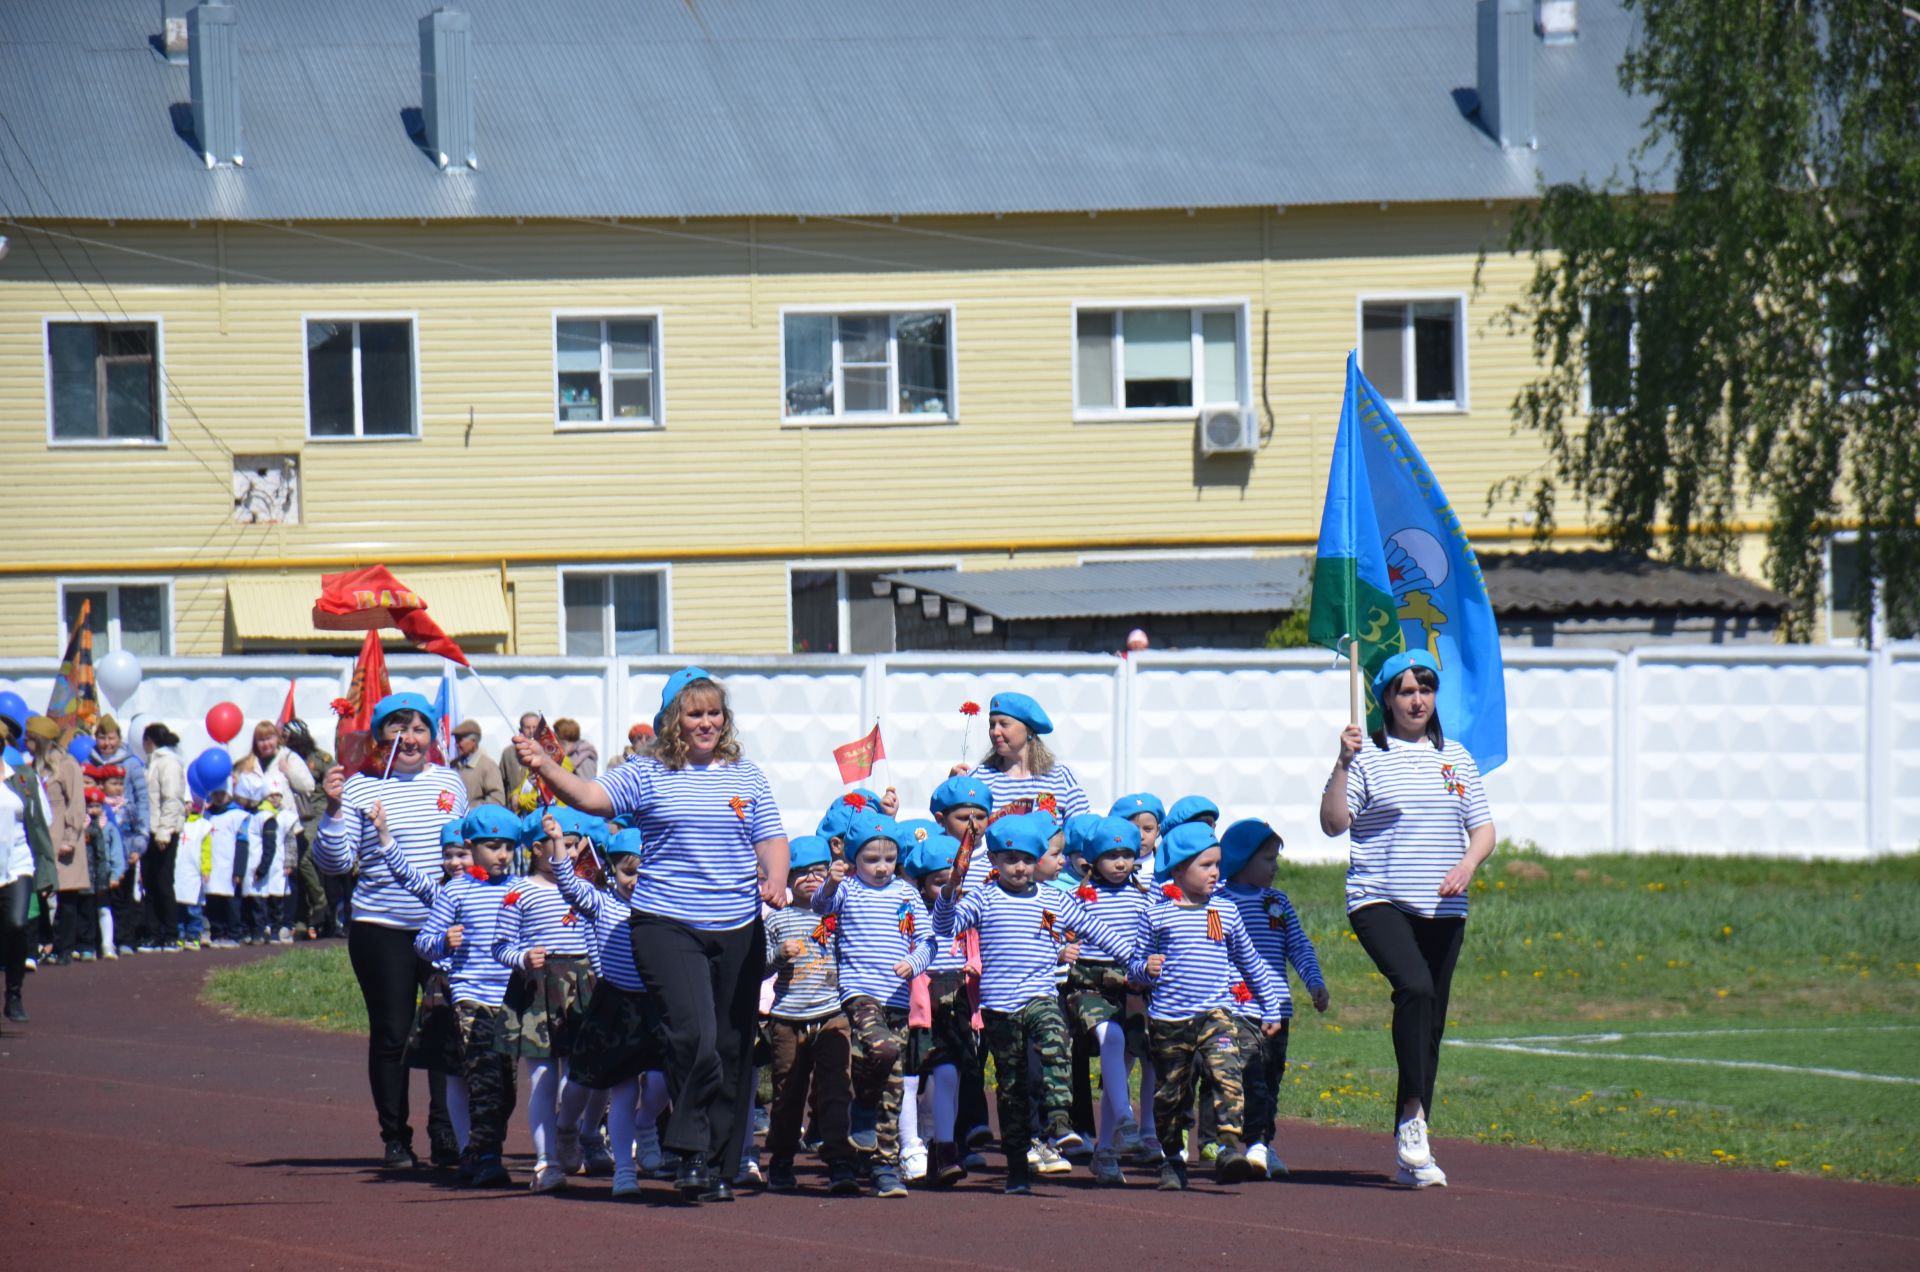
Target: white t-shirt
{"type": "Point", "coordinates": [16, 853]}
{"type": "Point", "coordinates": [1412, 808]}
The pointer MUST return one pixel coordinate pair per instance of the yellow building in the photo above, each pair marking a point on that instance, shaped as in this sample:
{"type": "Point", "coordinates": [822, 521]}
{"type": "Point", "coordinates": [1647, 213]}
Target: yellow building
{"type": "Point", "coordinates": [694, 348]}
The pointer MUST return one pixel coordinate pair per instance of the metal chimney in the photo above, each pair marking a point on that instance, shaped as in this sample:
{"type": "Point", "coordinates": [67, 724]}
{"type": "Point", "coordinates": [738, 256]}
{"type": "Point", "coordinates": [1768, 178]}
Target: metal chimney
{"type": "Point", "coordinates": [1506, 71]}
{"type": "Point", "coordinates": [213, 71]}
{"type": "Point", "coordinates": [173, 29]}
{"type": "Point", "coordinates": [446, 86]}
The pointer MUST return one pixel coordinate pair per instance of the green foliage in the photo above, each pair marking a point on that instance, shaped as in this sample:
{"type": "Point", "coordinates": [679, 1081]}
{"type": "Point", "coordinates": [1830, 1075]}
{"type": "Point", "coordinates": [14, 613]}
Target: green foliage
{"type": "Point", "coordinates": [1291, 631]}
{"type": "Point", "coordinates": [1746, 304]}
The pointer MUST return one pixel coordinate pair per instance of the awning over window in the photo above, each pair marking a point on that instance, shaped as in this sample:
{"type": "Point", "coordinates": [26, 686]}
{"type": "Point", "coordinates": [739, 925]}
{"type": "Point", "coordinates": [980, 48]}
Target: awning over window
{"type": "Point", "coordinates": [279, 607]}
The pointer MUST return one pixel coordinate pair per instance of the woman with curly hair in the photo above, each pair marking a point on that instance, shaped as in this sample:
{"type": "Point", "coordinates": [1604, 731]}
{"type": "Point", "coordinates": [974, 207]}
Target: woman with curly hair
{"type": "Point", "coordinates": [714, 848]}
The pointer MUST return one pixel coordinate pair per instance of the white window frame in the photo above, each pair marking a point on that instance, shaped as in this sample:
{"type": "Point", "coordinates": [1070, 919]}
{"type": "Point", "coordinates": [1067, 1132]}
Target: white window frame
{"type": "Point", "coordinates": [890, 310]}
{"type": "Point", "coordinates": [841, 567]}
{"type": "Point", "coordinates": [1242, 309]}
{"type": "Point", "coordinates": [1633, 353]}
{"type": "Point", "coordinates": [360, 436]}
{"type": "Point", "coordinates": [111, 585]}
{"type": "Point", "coordinates": [47, 322]}
{"type": "Point", "coordinates": [614, 425]}
{"type": "Point", "coordinates": [1876, 634]}
{"type": "Point", "coordinates": [1461, 402]}
{"type": "Point", "coordinates": [663, 570]}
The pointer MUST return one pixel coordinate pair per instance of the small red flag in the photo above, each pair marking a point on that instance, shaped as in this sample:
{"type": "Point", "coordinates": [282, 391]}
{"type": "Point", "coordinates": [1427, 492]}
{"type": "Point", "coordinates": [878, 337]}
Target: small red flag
{"type": "Point", "coordinates": [370, 598]}
{"type": "Point", "coordinates": [286, 708]}
{"type": "Point", "coordinates": [856, 758]}
{"type": "Point", "coordinates": [353, 733]}
{"type": "Point", "coordinates": [544, 739]}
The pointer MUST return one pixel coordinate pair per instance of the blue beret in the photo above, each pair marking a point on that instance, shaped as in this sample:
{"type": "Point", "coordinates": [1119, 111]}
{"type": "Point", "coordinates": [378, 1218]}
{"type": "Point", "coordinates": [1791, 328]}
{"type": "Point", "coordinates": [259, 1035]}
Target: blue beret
{"type": "Point", "coordinates": [1241, 841]}
{"type": "Point", "coordinates": [807, 851]}
{"type": "Point", "coordinates": [864, 829]}
{"type": "Point", "coordinates": [530, 827]}
{"type": "Point", "coordinates": [574, 822]}
{"type": "Point", "coordinates": [1112, 834]}
{"type": "Point", "coordinates": [624, 844]}
{"type": "Point", "coordinates": [1188, 808]}
{"type": "Point", "coordinates": [913, 833]}
{"type": "Point", "coordinates": [490, 821]}
{"type": "Point", "coordinates": [1398, 665]}
{"type": "Point", "coordinates": [1020, 834]}
{"type": "Point", "coordinates": [1182, 844]}
{"type": "Point", "coordinates": [840, 813]}
{"type": "Point", "coordinates": [935, 852]}
{"type": "Point", "coordinates": [1083, 833]}
{"type": "Point", "coordinates": [1134, 805]}
{"type": "Point", "coordinates": [960, 792]}
{"type": "Point", "coordinates": [404, 702]}
{"type": "Point", "coordinates": [675, 686]}
{"type": "Point", "coordinates": [1021, 708]}
{"type": "Point", "coordinates": [454, 833]}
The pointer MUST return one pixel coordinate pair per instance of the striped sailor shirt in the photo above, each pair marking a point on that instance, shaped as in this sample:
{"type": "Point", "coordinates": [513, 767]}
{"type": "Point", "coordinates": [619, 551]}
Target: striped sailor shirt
{"type": "Point", "coordinates": [473, 974]}
{"type": "Point", "coordinates": [1020, 936]}
{"type": "Point", "coordinates": [537, 916]}
{"type": "Point", "coordinates": [417, 805]}
{"type": "Point", "coordinates": [1118, 905]}
{"type": "Point", "coordinates": [698, 826]}
{"type": "Point", "coordinates": [1412, 808]}
{"type": "Point", "coordinates": [1275, 931]}
{"type": "Point", "coordinates": [807, 987]}
{"type": "Point", "coordinates": [1210, 962]}
{"type": "Point", "coordinates": [609, 919]}
{"type": "Point", "coordinates": [1061, 784]}
{"type": "Point", "coordinates": [874, 929]}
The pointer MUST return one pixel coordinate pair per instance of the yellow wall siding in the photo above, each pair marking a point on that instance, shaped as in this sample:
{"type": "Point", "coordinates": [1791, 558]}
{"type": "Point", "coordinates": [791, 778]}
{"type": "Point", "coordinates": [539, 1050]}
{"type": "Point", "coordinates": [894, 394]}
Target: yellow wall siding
{"type": "Point", "coordinates": [731, 608]}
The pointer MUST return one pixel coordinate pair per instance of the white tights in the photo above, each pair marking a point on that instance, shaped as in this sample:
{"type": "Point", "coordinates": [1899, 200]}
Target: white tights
{"type": "Point", "coordinates": [634, 1103]}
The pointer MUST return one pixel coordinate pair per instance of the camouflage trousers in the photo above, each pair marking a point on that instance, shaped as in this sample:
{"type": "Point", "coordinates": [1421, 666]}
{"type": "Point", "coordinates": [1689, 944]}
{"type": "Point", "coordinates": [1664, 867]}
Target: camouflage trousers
{"type": "Point", "coordinates": [1264, 1067]}
{"type": "Point", "coordinates": [491, 1093]}
{"type": "Point", "coordinates": [1186, 1054]}
{"type": "Point", "coordinates": [879, 1055]}
{"type": "Point", "coordinates": [1038, 1028]}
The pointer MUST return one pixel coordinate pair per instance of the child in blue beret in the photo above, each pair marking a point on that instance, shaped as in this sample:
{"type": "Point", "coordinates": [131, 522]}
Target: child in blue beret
{"type": "Point", "coordinates": [808, 1031]}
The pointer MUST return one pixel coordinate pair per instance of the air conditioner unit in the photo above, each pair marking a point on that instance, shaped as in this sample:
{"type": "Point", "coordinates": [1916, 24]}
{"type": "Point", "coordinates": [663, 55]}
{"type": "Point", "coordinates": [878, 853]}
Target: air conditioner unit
{"type": "Point", "coordinates": [1228, 432]}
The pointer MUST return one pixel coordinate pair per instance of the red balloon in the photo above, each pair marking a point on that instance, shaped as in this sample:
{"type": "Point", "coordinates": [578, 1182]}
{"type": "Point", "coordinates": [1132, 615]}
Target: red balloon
{"type": "Point", "coordinates": [223, 723]}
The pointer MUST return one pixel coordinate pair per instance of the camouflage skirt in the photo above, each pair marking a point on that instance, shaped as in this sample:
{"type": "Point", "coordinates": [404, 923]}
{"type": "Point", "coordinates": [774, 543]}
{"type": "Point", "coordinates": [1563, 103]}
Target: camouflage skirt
{"type": "Point", "coordinates": [543, 1008]}
{"type": "Point", "coordinates": [951, 1039]}
{"type": "Point", "coordinates": [435, 1043]}
{"type": "Point", "coordinates": [620, 1037]}
{"type": "Point", "coordinates": [1094, 994]}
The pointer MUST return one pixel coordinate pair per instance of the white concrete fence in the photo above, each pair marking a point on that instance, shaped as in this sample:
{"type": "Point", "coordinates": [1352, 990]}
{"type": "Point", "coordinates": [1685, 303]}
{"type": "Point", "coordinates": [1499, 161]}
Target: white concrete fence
{"type": "Point", "coordinates": [1785, 750]}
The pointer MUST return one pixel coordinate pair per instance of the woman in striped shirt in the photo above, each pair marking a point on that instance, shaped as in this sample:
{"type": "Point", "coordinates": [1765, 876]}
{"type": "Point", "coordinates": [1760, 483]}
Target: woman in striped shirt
{"type": "Point", "coordinates": [1020, 766]}
{"type": "Point", "coordinates": [1419, 827]}
{"type": "Point", "coordinates": [419, 796]}
{"type": "Point", "coordinates": [713, 849]}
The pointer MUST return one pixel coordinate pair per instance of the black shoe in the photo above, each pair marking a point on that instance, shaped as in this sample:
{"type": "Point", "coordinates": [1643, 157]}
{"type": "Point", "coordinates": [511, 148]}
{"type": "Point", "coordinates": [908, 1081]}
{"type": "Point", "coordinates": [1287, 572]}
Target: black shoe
{"type": "Point", "coordinates": [718, 1190]}
{"type": "Point", "coordinates": [400, 1156]}
{"type": "Point", "coordinates": [886, 1182]}
{"type": "Point", "coordinates": [841, 1181]}
{"type": "Point", "coordinates": [692, 1179]}
{"type": "Point", "coordinates": [445, 1153]}
{"type": "Point", "coordinates": [1234, 1168]}
{"type": "Point", "coordinates": [488, 1172]}
{"type": "Point", "coordinates": [1173, 1175]}
{"type": "Point", "coordinates": [1018, 1186]}
{"type": "Point", "coordinates": [780, 1176]}
{"type": "Point", "coordinates": [15, 1011]}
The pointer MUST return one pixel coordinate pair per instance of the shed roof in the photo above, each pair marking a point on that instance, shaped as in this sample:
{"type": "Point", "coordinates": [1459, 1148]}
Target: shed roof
{"type": "Point", "coordinates": [1122, 589]}
{"type": "Point", "coordinates": [1556, 582]}
{"type": "Point", "coordinates": [666, 108]}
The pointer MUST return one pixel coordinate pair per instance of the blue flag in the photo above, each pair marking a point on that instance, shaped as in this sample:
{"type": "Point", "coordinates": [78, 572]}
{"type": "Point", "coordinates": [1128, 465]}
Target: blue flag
{"type": "Point", "coordinates": [1434, 578]}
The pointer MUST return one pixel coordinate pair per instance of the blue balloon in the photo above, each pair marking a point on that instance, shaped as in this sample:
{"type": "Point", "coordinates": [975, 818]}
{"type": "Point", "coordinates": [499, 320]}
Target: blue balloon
{"type": "Point", "coordinates": [81, 749]}
{"type": "Point", "coordinates": [15, 758]}
{"type": "Point", "coordinates": [210, 769]}
{"type": "Point", "coordinates": [14, 707]}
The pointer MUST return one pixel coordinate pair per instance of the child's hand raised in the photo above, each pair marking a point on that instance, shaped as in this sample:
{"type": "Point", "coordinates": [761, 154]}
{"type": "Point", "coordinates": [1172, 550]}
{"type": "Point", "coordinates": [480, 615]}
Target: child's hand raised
{"type": "Point", "coordinates": [1154, 963]}
{"type": "Point", "coordinates": [456, 936]}
{"type": "Point", "coordinates": [903, 969]}
{"type": "Point", "coordinates": [536, 959]}
{"type": "Point", "coordinates": [890, 802]}
{"type": "Point", "coordinates": [836, 871]}
{"type": "Point", "coordinates": [550, 827]}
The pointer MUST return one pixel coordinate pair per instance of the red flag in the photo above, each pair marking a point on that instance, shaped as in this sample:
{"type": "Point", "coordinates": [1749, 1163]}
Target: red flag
{"type": "Point", "coordinates": [543, 738]}
{"type": "Point", "coordinates": [856, 758]}
{"type": "Point", "coordinates": [353, 734]}
{"type": "Point", "coordinates": [286, 708]}
{"type": "Point", "coordinates": [370, 598]}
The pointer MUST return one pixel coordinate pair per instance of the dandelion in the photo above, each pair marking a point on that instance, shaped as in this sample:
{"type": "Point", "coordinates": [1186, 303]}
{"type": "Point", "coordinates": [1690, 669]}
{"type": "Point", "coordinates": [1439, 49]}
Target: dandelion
{"type": "Point", "coordinates": [1827, 1167]}
{"type": "Point", "coordinates": [1526, 941]}
{"type": "Point", "coordinates": [1726, 930]}
{"type": "Point", "coordinates": [1719, 993]}
{"type": "Point", "coordinates": [1782, 1163]}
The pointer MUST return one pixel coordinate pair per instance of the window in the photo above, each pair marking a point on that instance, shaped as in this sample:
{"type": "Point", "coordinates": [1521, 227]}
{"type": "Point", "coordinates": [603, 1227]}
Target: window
{"type": "Point", "coordinates": [1157, 360]}
{"type": "Point", "coordinates": [606, 371]}
{"type": "Point", "coordinates": [846, 611]}
{"type": "Point", "coordinates": [1611, 334]}
{"type": "Point", "coordinates": [884, 366]}
{"type": "Point", "coordinates": [1412, 352]}
{"type": "Point", "coordinates": [617, 613]}
{"type": "Point", "coordinates": [360, 378]}
{"type": "Point", "coordinates": [1845, 578]}
{"type": "Point", "coordinates": [104, 381]}
{"type": "Point", "coordinates": [135, 617]}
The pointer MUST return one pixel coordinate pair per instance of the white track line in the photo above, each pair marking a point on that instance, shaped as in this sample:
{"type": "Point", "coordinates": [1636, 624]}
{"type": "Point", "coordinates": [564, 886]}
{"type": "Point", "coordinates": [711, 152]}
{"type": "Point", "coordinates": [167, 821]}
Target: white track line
{"type": "Point", "coordinates": [1854, 1075]}
{"type": "Point", "coordinates": [1703, 1033]}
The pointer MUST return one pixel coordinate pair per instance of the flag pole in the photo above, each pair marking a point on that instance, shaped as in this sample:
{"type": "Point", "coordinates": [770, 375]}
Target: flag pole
{"type": "Point", "coordinates": [1356, 696]}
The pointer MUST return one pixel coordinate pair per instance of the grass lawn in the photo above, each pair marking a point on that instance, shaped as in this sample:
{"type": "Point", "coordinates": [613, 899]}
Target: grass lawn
{"type": "Point", "coordinates": [1741, 962]}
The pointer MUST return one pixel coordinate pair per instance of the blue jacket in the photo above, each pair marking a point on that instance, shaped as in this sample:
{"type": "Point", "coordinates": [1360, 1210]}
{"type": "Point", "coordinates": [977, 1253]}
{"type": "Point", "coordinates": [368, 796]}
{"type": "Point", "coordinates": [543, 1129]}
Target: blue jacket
{"type": "Point", "coordinates": [139, 813]}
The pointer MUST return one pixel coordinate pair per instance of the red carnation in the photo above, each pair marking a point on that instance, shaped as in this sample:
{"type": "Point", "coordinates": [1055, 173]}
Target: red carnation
{"type": "Point", "coordinates": [512, 898]}
{"type": "Point", "coordinates": [855, 801]}
{"type": "Point", "coordinates": [969, 708]}
{"type": "Point", "coordinates": [1086, 893]}
{"type": "Point", "coordinates": [342, 707]}
{"type": "Point", "coordinates": [1173, 892]}
{"type": "Point", "coordinates": [1241, 994]}
{"type": "Point", "coordinates": [477, 873]}
{"type": "Point", "coordinates": [1046, 802]}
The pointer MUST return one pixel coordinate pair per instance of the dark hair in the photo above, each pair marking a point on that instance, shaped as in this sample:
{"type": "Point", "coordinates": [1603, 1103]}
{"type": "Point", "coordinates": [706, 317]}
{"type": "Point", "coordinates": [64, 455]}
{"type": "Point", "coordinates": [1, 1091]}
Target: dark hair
{"type": "Point", "coordinates": [160, 735]}
{"type": "Point", "coordinates": [297, 738]}
{"type": "Point", "coordinates": [404, 717]}
{"type": "Point", "coordinates": [1426, 678]}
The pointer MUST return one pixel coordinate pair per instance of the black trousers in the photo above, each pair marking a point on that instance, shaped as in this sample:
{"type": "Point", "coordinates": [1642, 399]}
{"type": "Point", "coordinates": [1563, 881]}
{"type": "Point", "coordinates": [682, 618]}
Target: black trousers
{"type": "Point", "coordinates": [390, 976]}
{"type": "Point", "coordinates": [14, 934]}
{"type": "Point", "coordinates": [161, 925]}
{"type": "Point", "coordinates": [79, 913]}
{"type": "Point", "coordinates": [707, 986]}
{"type": "Point", "coordinates": [1416, 955]}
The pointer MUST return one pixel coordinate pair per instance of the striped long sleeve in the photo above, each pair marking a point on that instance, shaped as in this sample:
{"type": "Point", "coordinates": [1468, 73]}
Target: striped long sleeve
{"type": "Point", "coordinates": [417, 806]}
{"type": "Point", "coordinates": [1116, 905]}
{"type": "Point", "coordinates": [473, 974]}
{"type": "Point", "coordinates": [1275, 931]}
{"type": "Point", "coordinates": [1208, 957]}
{"type": "Point", "coordinates": [536, 915]}
{"type": "Point", "coordinates": [609, 919]}
{"type": "Point", "coordinates": [808, 987]}
{"type": "Point", "coordinates": [1020, 936]}
{"type": "Point", "coordinates": [875, 929]}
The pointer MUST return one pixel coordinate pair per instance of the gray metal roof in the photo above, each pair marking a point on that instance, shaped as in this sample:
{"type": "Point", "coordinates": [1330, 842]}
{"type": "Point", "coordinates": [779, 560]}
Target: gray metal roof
{"type": "Point", "coordinates": [1123, 589]}
{"type": "Point", "coordinates": [701, 108]}
{"type": "Point", "coordinates": [1548, 582]}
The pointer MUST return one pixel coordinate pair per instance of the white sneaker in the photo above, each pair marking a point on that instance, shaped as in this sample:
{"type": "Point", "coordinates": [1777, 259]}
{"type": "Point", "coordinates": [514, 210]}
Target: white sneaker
{"type": "Point", "coordinates": [572, 1160]}
{"type": "Point", "coordinates": [1411, 1141]}
{"type": "Point", "coordinates": [1046, 1160]}
{"type": "Point", "coordinates": [1126, 1137]}
{"type": "Point", "coordinates": [626, 1182]}
{"type": "Point", "coordinates": [646, 1149]}
{"type": "Point", "coordinates": [913, 1165]}
{"type": "Point", "coordinates": [1257, 1157]}
{"type": "Point", "coordinates": [1428, 1176]}
{"type": "Point", "coordinates": [749, 1174]}
{"type": "Point", "coordinates": [547, 1178]}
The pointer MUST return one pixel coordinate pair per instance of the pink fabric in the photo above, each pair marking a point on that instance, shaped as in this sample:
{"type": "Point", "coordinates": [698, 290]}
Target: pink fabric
{"type": "Point", "coordinates": [920, 998]}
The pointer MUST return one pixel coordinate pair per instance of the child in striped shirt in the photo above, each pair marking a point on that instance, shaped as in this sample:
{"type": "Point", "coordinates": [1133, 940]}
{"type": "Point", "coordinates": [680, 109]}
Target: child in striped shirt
{"type": "Point", "coordinates": [943, 1046]}
{"type": "Point", "coordinates": [1189, 950]}
{"type": "Point", "coordinates": [1249, 854]}
{"type": "Point", "coordinates": [543, 941]}
{"type": "Point", "coordinates": [1020, 923]}
{"type": "Point", "coordinates": [881, 941]}
{"type": "Point", "coordinates": [811, 1040]}
{"type": "Point", "coordinates": [433, 1044]}
{"type": "Point", "coordinates": [960, 806]}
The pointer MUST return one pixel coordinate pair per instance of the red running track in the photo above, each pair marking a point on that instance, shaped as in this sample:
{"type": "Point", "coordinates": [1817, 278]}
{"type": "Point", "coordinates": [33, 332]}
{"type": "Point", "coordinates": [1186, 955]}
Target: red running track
{"type": "Point", "coordinates": [141, 1130]}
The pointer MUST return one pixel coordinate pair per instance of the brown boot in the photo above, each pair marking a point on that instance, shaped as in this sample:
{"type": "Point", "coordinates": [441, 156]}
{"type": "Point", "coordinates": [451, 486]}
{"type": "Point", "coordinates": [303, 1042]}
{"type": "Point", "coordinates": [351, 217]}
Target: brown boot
{"type": "Point", "coordinates": [944, 1169]}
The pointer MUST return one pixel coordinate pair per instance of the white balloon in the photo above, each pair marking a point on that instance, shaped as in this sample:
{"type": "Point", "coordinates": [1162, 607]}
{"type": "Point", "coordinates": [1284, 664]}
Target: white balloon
{"type": "Point", "coordinates": [118, 675]}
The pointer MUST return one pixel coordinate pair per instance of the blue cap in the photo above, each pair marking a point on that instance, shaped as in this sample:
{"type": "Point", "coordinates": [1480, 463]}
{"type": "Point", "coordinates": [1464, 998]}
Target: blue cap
{"type": "Point", "coordinates": [454, 834]}
{"type": "Point", "coordinates": [1020, 834]}
{"type": "Point", "coordinates": [574, 822]}
{"type": "Point", "coordinates": [807, 851]}
{"type": "Point", "coordinates": [624, 844]}
{"type": "Point", "coordinates": [936, 852]}
{"type": "Point", "coordinates": [1241, 841]}
{"type": "Point", "coordinates": [1134, 805]}
{"type": "Point", "coordinates": [1182, 844]}
{"type": "Point", "coordinates": [490, 821]}
{"type": "Point", "coordinates": [1021, 708]}
{"type": "Point", "coordinates": [864, 828]}
{"type": "Point", "coordinates": [1187, 808]}
{"type": "Point", "coordinates": [1083, 834]}
{"type": "Point", "coordinates": [914, 832]}
{"type": "Point", "coordinates": [960, 792]}
{"type": "Point", "coordinates": [531, 830]}
{"type": "Point", "coordinates": [1398, 665]}
{"type": "Point", "coordinates": [675, 686]}
{"type": "Point", "coordinates": [1112, 834]}
{"type": "Point", "coordinates": [842, 811]}
{"type": "Point", "coordinates": [404, 702]}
